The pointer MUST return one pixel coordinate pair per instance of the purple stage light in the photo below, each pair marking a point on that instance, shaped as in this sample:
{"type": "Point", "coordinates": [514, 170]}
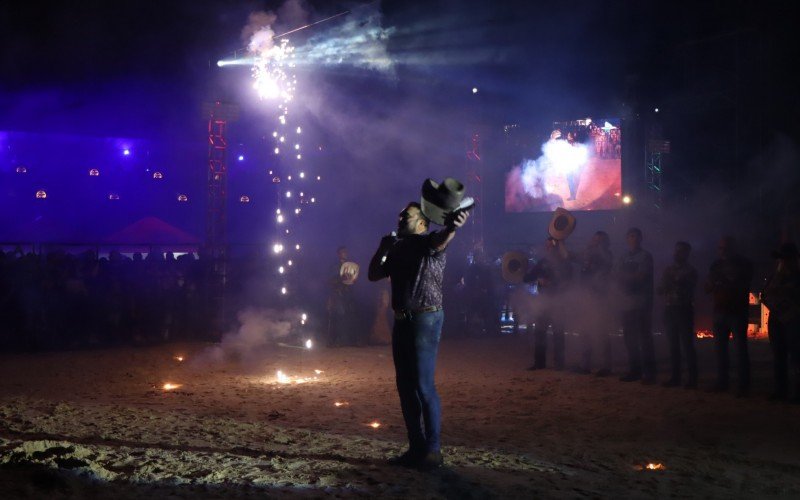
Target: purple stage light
{"type": "Point", "coordinates": [241, 157]}
{"type": "Point", "coordinates": [126, 152]}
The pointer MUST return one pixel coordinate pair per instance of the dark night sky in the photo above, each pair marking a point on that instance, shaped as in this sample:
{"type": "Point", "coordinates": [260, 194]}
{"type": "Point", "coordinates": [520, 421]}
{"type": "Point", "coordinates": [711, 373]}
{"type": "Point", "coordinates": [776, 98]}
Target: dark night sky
{"type": "Point", "coordinates": [718, 70]}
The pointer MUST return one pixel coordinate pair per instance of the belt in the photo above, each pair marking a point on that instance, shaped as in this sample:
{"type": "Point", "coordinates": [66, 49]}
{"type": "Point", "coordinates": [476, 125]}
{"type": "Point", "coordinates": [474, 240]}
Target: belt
{"type": "Point", "coordinates": [409, 313]}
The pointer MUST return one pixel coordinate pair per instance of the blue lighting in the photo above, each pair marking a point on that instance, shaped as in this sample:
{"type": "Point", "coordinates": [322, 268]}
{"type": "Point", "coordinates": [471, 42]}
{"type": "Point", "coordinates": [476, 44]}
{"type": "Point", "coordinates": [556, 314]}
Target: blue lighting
{"type": "Point", "coordinates": [126, 152]}
{"type": "Point", "coordinates": [241, 157]}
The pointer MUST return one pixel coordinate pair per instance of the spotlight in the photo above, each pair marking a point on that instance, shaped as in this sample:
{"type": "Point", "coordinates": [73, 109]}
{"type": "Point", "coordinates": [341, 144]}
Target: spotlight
{"type": "Point", "coordinates": [126, 152]}
{"type": "Point", "coordinates": [474, 90]}
{"type": "Point", "coordinates": [241, 157]}
{"type": "Point", "coordinates": [656, 110]}
{"type": "Point", "coordinates": [627, 199]}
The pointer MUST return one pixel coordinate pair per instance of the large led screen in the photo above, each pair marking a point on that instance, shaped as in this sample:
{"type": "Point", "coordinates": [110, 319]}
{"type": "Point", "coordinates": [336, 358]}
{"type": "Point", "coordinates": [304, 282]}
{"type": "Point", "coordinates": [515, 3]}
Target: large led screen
{"type": "Point", "coordinates": [579, 168]}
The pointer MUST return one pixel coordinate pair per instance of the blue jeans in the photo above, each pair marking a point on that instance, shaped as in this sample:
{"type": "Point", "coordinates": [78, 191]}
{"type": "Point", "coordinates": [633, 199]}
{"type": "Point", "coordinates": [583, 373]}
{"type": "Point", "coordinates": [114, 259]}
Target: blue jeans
{"type": "Point", "coordinates": [415, 342]}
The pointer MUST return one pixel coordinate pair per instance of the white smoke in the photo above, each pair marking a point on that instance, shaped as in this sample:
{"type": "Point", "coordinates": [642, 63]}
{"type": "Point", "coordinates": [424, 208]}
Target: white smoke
{"type": "Point", "coordinates": [359, 41]}
{"type": "Point", "coordinates": [356, 39]}
{"type": "Point", "coordinates": [559, 158]}
{"type": "Point", "coordinates": [258, 330]}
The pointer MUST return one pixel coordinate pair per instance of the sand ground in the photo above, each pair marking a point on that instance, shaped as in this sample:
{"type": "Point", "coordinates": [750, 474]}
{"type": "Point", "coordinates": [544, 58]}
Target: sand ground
{"type": "Point", "coordinates": [99, 424]}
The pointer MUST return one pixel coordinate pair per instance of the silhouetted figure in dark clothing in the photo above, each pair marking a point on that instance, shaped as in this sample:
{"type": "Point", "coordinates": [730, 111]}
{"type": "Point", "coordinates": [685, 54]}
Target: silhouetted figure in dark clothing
{"type": "Point", "coordinates": [595, 272]}
{"type": "Point", "coordinates": [782, 297]}
{"type": "Point", "coordinates": [635, 276]}
{"type": "Point", "coordinates": [342, 327]}
{"type": "Point", "coordinates": [678, 284]}
{"type": "Point", "coordinates": [552, 274]}
{"type": "Point", "coordinates": [729, 284]}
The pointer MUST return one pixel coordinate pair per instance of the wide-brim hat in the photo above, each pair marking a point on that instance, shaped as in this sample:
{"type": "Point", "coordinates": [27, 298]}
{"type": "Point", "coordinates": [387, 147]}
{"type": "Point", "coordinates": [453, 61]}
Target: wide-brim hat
{"type": "Point", "coordinates": [440, 199]}
{"type": "Point", "coordinates": [514, 266]}
{"type": "Point", "coordinates": [786, 251]}
{"type": "Point", "coordinates": [562, 224]}
{"type": "Point", "coordinates": [348, 272]}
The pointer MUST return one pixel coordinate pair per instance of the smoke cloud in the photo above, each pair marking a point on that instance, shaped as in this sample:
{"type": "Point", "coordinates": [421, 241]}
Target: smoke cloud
{"type": "Point", "coordinates": [258, 330]}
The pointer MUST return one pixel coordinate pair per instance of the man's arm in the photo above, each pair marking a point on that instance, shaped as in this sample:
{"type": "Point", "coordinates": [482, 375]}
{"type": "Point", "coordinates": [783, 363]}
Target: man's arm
{"type": "Point", "coordinates": [440, 239]}
{"type": "Point", "coordinates": [376, 269]}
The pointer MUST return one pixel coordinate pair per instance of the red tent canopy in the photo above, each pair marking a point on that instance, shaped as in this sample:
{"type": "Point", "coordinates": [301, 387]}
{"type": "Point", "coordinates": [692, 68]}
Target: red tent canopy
{"type": "Point", "coordinates": [153, 231]}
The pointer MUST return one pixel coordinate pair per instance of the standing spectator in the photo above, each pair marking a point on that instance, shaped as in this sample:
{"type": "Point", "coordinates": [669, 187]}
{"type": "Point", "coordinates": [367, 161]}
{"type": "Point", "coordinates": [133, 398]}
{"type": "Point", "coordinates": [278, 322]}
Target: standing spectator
{"type": "Point", "coordinates": [678, 285]}
{"type": "Point", "coordinates": [782, 297]}
{"type": "Point", "coordinates": [552, 274]}
{"type": "Point", "coordinates": [635, 276]}
{"type": "Point", "coordinates": [341, 305]}
{"type": "Point", "coordinates": [729, 285]}
{"type": "Point", "coordinates": [596, 264]}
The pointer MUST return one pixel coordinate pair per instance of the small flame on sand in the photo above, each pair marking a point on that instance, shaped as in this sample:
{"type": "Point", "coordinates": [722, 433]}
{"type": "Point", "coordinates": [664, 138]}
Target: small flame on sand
{"type": "Point", "coordinates": [651, 466]}
{"type": "Point", "coordinates": [282, 378]}
{"type": "Point", "coordinates": [318, 372]}
{"type": "Point", "coordinates": [374, 424]}
{"type": "Point", "coordinates": [170, 387]}
{"type": "Point", "coordinates": [339, 404]}
{"type": "Point", "coordinates": [309, 344]}
{"type": "Point", "coordinates": [179, 358]}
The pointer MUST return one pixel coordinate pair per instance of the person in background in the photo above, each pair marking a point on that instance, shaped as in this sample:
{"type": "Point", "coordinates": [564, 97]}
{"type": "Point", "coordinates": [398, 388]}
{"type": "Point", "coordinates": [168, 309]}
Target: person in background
{"type": "Point", "coordinates": [728, 283]}
{"type": "Point", "coordinates": [596, 264]}
{"type": "Point", "coordinates": [678, 284]}
{"type": "Point", "coordinates": [341, 305]}
{"type": "Point", "coordinates": [553, 275]}
{"type": "Point", "coordinates": [635, 277]}
{"type": "Point", "coordinates": [782, 296]}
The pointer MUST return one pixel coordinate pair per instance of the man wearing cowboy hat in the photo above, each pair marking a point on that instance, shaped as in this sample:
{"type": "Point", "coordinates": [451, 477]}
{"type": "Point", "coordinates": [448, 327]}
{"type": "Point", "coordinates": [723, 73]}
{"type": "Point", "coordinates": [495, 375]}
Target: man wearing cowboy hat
{"type": "Point", "coordinates": [782, 297]}
{"type": "Point", "coordinates": [414, 260]}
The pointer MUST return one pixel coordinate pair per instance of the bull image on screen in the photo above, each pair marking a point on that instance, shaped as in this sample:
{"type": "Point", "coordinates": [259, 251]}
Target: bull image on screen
{"type": "Point", "coordinates": [579, 168]}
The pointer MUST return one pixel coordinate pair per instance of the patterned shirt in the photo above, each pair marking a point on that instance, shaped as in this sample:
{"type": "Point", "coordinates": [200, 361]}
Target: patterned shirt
{"type": "Point", "coordinates": [416, 271]}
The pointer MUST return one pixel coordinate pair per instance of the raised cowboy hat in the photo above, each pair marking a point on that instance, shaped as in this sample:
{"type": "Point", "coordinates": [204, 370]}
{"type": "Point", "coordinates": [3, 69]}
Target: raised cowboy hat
{"type": "Point", "coordinates": [440, 200]}
{"type": "Point", "coordinates": [348, 272]}
{"type": "Point", "coordinates": [515, 266]}
{"type": "Point", "coordinates": [562, 224]}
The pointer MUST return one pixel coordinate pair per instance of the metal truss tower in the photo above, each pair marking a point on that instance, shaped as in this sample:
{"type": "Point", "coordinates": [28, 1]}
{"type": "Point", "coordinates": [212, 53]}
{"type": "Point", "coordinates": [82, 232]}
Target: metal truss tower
{"type": "Point", "coordinates": [474, 186]}
{"type": "Point", "coordinates": [219, 115]}
{"type": "Point", "coordinates": [656, 149]}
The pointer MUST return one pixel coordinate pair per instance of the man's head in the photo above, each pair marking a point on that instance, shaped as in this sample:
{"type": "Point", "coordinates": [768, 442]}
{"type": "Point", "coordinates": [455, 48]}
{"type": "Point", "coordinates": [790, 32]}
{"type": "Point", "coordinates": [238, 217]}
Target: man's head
{"type": "Point", "coordinates": [634, 238]}
{"type": "Point", "coordinates": [600, 239]}
{"type": "Point", "coordinates": [726, 248]}
{"type": "Point", "coordinates": [341, 252]}
{"type": "Point", "coordinates": [411, 220]}
{"type": "Point", "coordinates": [682, 251]}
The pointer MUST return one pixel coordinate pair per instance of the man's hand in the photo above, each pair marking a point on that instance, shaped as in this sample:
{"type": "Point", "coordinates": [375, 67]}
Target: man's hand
{"type": "Point", "coordinates": [457, 219]}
